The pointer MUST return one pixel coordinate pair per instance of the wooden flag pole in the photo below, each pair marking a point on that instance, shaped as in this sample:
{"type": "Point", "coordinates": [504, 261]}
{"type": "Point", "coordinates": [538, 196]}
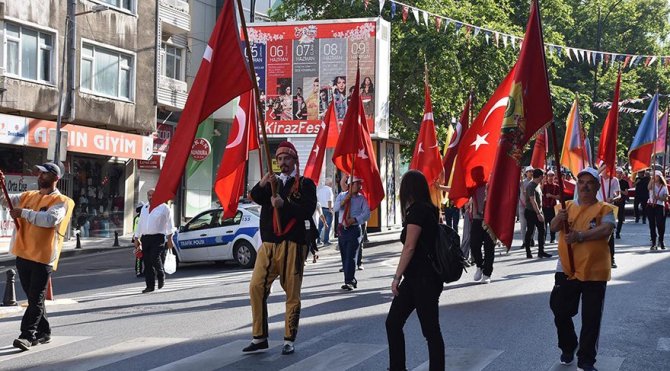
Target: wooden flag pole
{"type": "Point", "coordinates": [259, 109]}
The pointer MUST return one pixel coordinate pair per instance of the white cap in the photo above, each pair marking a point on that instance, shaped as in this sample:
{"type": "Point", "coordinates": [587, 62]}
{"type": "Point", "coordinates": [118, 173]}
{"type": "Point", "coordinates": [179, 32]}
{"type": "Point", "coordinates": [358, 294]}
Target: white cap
{"type": "Point", "coordinates": [528, 168]}
{"type": "Point", "coordinates": [658, 173]}
{"type": "Point", "coordinates": [354, 179]}
{"type": "Point", "coordinates": [619, 169]}
{"type": "Point", "coordinates": [591, 171]}
{"type": "Point", "coordinates": [551, 172]}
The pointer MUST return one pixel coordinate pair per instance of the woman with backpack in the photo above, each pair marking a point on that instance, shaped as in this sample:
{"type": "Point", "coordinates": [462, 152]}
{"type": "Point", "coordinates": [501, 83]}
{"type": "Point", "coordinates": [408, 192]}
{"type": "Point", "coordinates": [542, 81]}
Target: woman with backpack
{"type": "Point", "coordinates": [416, 285]}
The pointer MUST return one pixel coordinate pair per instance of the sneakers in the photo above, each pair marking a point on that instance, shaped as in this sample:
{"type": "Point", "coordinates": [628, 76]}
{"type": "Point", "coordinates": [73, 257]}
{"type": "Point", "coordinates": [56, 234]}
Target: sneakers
{"type": "Point", "coordinates": [341, 269]}
{"type": "Point", "coordinates": [146, 290]}
{"type": "Point", "coordinates": [478, 275]}
{"type": "Point", "coordinates": [486, 279]}
{"type": "Point", "coordinates": [653, 248]}
{"type": "Point", "coordinates": [614, 264]}
{"type": "Point", "coordinates": [23, 344]}
{"type": "Point", "coordinates": [567, 358]}
{"type": "Point", "coordinates": [586, 368]}
{"type": "Point", "coordinates": [287, 349]}
{"type": "Point", "coordinates": [256, 346]}
{"type": "Point", "coordinates": [42, 338]}
{"type": "Point", "coordinates": [544, 255]}
{"type": "Point", "coordinates": [347, 287]}
{"type": "Point", "coordinates": [161, 284]}
{"type": "Point", "coordinates": [360, 267]}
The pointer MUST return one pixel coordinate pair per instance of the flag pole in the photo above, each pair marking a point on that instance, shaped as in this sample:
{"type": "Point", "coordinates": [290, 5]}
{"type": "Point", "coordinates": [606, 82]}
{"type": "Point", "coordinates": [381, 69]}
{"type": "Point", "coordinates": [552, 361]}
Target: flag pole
{"type": "Point", "coordinates": [259, 109]}
{"type": "Point", "coordinates": [665, 147]}
{"type": "Point", "coordinates": [581, 137]}
{"type": "Point", "coordinates": [9, 200]}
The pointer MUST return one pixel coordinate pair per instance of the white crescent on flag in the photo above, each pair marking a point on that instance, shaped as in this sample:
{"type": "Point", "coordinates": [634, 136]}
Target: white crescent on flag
{"type": "Point", "coordinates": [241, 119]}
{"type": "Point", "coordinates": [501, 103]}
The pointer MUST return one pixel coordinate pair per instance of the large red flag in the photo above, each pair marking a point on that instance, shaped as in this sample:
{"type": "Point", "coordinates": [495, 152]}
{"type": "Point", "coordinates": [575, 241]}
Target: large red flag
{"type": "Point", "coordinates": [426, 156]}
{"type": "Point", "coordinates": [223, 75]}
{"type": "Point", "coordinates": [540, 149]}
{"type": "Point", "coordinates": [242, 139]}
{"type": "Point", "coordinates": [354, 150]}
{"type": "Point", "coordinates": [315, 160]}
{"type": "Point", "coordinates": [452, 150]}
{"type": "Point", "coordinates": [608, 137]}
{"type": "Point", "coordinates": [528, 111]}
{"type": "Point", "coordinates": [479, 144]}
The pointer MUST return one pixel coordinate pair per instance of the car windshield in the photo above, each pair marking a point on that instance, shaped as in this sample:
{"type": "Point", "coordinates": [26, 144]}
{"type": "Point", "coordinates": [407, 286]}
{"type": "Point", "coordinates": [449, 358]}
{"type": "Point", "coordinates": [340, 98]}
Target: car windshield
{"type": "Point", "coordinates": [256, 210]}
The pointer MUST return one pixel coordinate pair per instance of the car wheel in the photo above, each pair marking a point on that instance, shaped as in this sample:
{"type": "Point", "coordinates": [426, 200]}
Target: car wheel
{"type": "Point", "coordinates": [245, 254]}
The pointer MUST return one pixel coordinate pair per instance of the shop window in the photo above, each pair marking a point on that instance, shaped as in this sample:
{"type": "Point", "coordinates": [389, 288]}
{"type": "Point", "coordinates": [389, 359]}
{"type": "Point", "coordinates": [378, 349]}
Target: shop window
{"type": "Point", "coordinates": [98, 190]}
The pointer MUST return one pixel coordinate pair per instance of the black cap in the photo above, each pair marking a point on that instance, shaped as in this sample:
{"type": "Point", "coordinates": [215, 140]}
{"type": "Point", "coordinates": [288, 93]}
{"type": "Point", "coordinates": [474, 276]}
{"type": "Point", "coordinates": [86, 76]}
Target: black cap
{"type": "Point", "coordinates": [50, 167]}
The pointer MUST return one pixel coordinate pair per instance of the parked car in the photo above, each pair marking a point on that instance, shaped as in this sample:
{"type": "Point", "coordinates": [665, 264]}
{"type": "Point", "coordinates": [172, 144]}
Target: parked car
{"type": "Point", "coordinates": [208, 237]}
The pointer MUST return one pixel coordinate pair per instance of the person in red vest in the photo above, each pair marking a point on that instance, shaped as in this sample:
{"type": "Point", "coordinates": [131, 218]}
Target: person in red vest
{"type": "Point", "coordinates": [551, 193]}
{"type": "Point", "coordinates": [43, 217]}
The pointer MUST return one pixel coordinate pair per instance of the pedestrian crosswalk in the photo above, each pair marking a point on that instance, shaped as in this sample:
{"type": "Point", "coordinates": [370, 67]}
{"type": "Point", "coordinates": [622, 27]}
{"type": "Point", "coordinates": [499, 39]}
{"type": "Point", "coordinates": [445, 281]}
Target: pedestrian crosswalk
{"type": "Point", "coordinates": [157, 352]}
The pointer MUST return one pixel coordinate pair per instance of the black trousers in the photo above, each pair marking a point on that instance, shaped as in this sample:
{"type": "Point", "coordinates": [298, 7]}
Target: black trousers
{"type": "Point", "coordinates": [656, 215]}
{"type": "Point", "coordinates": [34, 277]}
{"type": "Point", "coordinates": [532, 221]}
{"type": "Point", "coordinates": [564, 302]}
{"type": "Point", "coordinates": [153, 248]}
{"type": "Point", "coordinates": [549, 213]}
{"type": "Point", "coordinates": [610, 242]}
{"type": "Point", "coordinates": [423, 294]}
{"type": "Point", "coordinates": [620, 216]}
{"type": "Point", "coordinates": [479, 237]}
{"type": "Point", "coordinates": [639, 208]}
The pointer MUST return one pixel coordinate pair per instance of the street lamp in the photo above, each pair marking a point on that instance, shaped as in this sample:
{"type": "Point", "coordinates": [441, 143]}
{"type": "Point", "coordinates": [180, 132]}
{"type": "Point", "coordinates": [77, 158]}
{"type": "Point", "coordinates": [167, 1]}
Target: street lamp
{"type": "Point", "coordinates": [69, 23]}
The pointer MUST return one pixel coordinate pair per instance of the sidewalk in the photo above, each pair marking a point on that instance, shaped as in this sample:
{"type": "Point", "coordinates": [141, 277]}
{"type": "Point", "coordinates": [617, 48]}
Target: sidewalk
{"type": "Point", "coordinates": [90, 244]}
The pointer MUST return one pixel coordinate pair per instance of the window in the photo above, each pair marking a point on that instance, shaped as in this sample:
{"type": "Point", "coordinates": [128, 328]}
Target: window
{"type": "Point", "coordinates": [28, 52]}
{"type": "Point", "coordinates": [123, 4]}
{"type": "Point", "coordinates": [106, 71]}
{"type": "Point", "coordinates": [207, 220]}
{"type": "Point", "coordinates": [172, 62]}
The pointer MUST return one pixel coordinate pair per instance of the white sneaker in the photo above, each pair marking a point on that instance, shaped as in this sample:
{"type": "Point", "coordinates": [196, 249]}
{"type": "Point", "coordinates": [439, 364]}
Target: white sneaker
{"type": "Point", "coordinates": [486, 279]}
{"type": "Point", "coordinates": [478, 274]}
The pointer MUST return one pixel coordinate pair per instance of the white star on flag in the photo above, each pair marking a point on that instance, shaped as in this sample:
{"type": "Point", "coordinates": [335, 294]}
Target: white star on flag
{"type": "Point", "coordinates": [480, 141]}
{"type": "Point", "coordinates": [361, 154]}
{"type": "Point", "coordinates": [420, 147]}
{"type": "Point", "coordinates": [208, 54]}
{"type": "Point", "coordinates": [316, 150]}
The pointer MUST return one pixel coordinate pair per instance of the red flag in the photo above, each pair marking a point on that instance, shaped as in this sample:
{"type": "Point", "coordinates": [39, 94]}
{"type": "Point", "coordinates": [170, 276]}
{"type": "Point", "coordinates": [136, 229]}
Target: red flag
{"type": "Point", "coordinates": [242, 139]}
{"type": "Point", "coordinates": [426, 156]}
{"type": "Point", "coordinates": [479, 144]}
{"type": "Point", "coordinates": [452, 150]}
{"type": "Point", "coordinates": [315, 160]}
{"type": "Point", "coordinates": [223, 75]}
{"type": "Point", "coordinates": [608, 137]}
{"type": "Point", "coordinates": [354, 149]}
{"type": "Point", "coordinates": [528, 111]}
{"type": "Point", "coordinates": [540, 149]}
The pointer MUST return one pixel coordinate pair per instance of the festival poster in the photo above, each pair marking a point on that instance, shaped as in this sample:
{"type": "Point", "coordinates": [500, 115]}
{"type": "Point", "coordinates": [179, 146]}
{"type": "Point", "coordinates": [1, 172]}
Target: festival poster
{"type": "Point", "coordinates": [333, 68]}
{"type": "Point", "coordinates": [258, 53]}
{"type": "Point", "coordinates": [305, 76]}
{"type": "Point", "coordinates": [279, 69]}
{"type": "Point", "coordinates": [363, 51]}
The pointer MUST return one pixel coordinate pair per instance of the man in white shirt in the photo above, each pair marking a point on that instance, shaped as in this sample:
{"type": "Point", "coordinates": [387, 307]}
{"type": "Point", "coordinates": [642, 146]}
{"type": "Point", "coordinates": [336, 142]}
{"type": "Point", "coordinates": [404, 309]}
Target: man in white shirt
{"type": "Point", "coordinates": [610, 192]}
{"type": "Point", "coordinates": [324, 196]}
{"type": "Point", "coordinates": [154, 231]}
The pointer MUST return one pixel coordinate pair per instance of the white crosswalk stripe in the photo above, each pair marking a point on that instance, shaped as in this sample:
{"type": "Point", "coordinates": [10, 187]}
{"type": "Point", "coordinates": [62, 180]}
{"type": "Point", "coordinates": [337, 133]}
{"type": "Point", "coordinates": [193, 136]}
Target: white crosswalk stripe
{"type": "Point", "coordinates": [338, 357]}
{"type": "Point", "coordinates": [465, 359]}
{"type": "Point", "coordinates": [603, 364]}
{"type": "Point", "coordinates": [9, 352]}
{"type": "Point", "coordinates": [112, 354]}
{"type": "Point", "coordinates": [311, 341]}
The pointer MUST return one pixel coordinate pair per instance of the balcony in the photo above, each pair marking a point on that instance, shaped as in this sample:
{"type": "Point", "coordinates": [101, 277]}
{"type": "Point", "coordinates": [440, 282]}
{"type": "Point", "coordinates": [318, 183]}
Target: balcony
{"type": "Point", "coordinates": [175, 16]}
{"type": "Point", "coordinates": [172, 93]}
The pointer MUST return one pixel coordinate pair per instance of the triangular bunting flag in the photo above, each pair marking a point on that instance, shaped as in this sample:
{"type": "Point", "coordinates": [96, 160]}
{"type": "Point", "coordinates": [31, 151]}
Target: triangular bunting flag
{"type": "Point", "coordinates": [415, 13]}
{"type": "Point", "coordinates": [425, 18]}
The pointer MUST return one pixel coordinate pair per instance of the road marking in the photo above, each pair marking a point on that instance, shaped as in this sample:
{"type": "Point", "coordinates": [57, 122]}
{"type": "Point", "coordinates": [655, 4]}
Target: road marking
{"type": "Point", "coordinates": [339, 357]}
{"type": "Point", "coordinates": [603, 363]}
{"type": "Point", "coordinates": [663, 344]}
{"type": "Point", "coordinates": [9, 352]}
{"type": "Point", "coordinates": [310, 342]}
{"type": "Point", "coordinates": [213, 359]}
{"type": "Point", "coordinates": [465, 359]}
{"type": "Point", "coordinates": [112, 354]}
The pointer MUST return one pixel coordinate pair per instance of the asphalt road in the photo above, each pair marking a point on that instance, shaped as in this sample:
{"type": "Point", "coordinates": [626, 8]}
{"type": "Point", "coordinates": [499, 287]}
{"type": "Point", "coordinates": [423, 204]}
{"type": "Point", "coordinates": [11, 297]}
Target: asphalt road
{"type": "Point", "coordinates": [201, 319]}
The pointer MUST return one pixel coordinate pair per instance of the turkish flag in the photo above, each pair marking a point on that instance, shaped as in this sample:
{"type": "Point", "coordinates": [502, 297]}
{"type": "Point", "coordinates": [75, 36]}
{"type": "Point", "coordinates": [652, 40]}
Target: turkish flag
{"type": "Point", "coordinates": [426, 156]}
{"type": "Point", "coordinates": [479, 145]}
{"type": "Point", "coordinates": [327, 130]}
{"type": "Point", "coordinates": [528, 110]}
{"type": "Point", "coordinates": [452, 150]}
{"type": "Point", "coordinates": [540, 149]}
{"type": "Point", "coordinates": [242, 139]}
{"type": "Point", "coordinates": [354, 153]}
{"type": "Point", "coordinates": [222, 76]}
{"type": "Point", "coordinates": [608, 137]}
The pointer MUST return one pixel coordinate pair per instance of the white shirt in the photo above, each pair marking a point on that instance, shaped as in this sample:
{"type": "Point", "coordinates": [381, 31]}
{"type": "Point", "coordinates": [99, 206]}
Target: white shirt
{"type": "Point", "coordinates": [605, 185]}
{"type": "Point", "coordinates": [158, 221]}
{"type": "Point", "coordinates": [658, 194]}
{"type": "Point", "coordinates": [324, 195]}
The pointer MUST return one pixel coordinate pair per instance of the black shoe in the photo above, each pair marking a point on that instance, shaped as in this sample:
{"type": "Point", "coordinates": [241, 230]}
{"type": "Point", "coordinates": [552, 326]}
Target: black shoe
{"type": "Point", "coordinates": [552, 241]}
{"type": "Point", "coordinates": [23, 344]}
{"type": "Point", "coordinates": [614, 264]}
{"type": "Point", "coordinates": [161, 284]}
{"type": "Point", "coordinates": [287, 349]}
{"type": "Point", "coordinates": [256, 346]}
{"type": "Point", "coordinates": [529, 256]}
{"type": "Point", "coordinates": [637, 220]}
{"type": "Point", "coordinates": [567, 358]}
{"type": "Point", "coordinates": [586, 368]}
{"type": "Point", "coordinates": [643, 222]}
{"type": "Point", "coordinates": [544, 255]}
{"type": "Point", "coordinates": [341, 269]}
{"type": "Point", "coordinates": [360, 267]}
{"type": "Point", "coordinates": [618, 236]}
{"type": "Point", "coordinates": [147, 290]}
{"type": "Point", "coordinates": [42, 338]}
{"type": "Point", "coordinates": [347, 287]}
{"type": "Point", "coordinates": [662, 246]}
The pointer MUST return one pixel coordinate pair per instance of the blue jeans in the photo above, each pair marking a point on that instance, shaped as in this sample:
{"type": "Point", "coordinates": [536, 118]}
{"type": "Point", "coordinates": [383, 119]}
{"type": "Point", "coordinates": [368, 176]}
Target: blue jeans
{"type": "Point", "coordinates": [329, 222]}
{"type": "Point", "coordinates": [348, 242]}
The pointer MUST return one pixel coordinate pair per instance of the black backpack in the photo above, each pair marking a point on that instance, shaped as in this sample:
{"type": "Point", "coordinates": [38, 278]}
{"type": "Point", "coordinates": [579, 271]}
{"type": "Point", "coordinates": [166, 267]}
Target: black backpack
{"type": "Point", "coordinates": [447, 258]}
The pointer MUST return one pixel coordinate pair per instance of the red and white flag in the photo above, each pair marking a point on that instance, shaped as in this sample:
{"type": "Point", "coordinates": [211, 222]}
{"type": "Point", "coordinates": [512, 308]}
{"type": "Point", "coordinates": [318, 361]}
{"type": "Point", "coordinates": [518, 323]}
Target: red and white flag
{"type": "Point", "coordinates": [609, 136]}
{"type": "Point", "coordinates": [243, 138]}
{"type": "Point", "coordinates": [222, 76]}
{"type": "Point", "coordinates": [452, 150]}
{"type": "Point", "coordinates": [426, 156]}
{"type": "Point", "coordinates": [325, 138]}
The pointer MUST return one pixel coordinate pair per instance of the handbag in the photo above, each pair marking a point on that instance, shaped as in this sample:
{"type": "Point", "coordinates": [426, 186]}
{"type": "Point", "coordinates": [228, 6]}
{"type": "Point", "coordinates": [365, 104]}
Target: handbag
{"type": "Point", "coordinates": [170, 265]}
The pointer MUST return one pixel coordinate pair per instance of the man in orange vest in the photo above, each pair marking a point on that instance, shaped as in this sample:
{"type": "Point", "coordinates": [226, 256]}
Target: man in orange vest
{"type": "Point", "coordinates": [583, 269]}
{"type": "Point", "coordinates": [43, 217]}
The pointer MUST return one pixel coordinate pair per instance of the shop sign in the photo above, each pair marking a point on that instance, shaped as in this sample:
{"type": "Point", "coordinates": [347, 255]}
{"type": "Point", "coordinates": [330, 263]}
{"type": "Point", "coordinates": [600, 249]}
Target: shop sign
{"type": "Point", "coordinates": [154, 163]}
{"type": "Point", "coordinates": [162, 137]}
{"type": "Point", "coordinates": [200, 149]}
{"type": "Point", "coordinates": [12, 130]}
{"type": "Point", "coordinates": [88, 140]}
{"type": "Point", "coordinates": [15, 185]}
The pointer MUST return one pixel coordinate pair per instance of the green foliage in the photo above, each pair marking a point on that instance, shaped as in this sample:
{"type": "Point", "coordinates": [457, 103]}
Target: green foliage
{"type": "Point", "coordinates": [458, 63]}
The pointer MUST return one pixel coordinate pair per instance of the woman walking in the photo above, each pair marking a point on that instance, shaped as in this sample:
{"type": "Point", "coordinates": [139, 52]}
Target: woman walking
{"type": "Point", "coordinates": [658, 194]}
{"type": "Point", "coordinates": [415, 283]}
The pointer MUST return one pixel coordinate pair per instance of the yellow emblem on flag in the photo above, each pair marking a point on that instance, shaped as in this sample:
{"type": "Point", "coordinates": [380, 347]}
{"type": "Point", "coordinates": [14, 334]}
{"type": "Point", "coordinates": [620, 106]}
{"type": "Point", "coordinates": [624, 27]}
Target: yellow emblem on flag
{"type": "Point", "coordinates": [514, 116]}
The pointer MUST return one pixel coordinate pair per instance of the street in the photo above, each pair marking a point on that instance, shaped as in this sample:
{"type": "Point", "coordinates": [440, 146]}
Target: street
{"type": "Point", "coordinates": [201, 319]}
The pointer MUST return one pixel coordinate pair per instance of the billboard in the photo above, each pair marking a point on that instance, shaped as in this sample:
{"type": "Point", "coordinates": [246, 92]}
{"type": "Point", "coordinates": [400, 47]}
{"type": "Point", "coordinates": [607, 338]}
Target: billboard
{"type": "Point", "coordinates": [303, 66]}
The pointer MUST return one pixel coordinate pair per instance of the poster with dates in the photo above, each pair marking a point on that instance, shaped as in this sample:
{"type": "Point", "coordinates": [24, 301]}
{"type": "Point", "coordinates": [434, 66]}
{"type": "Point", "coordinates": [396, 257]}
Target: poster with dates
{"type": "Point", "coordinates": [303, 66]}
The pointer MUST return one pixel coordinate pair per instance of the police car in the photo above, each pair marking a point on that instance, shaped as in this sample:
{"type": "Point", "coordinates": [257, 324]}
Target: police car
{"type": "Point", "coordinates": [208, 237]}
